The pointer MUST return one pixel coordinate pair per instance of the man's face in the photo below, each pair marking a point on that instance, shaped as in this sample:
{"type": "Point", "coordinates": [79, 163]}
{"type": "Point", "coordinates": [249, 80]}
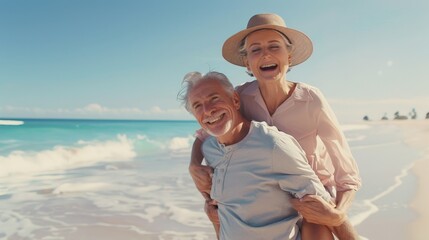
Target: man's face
{"type": "Point", "coordinates": [214, 108]}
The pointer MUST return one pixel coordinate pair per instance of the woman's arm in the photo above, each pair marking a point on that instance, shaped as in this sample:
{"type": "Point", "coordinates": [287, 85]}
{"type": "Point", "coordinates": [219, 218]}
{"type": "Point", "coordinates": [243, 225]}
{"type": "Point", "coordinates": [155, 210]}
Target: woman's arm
{"type": "Point", "coordinates": [346, 171]}
{"type": "Point", "coordinates": [344, 199]}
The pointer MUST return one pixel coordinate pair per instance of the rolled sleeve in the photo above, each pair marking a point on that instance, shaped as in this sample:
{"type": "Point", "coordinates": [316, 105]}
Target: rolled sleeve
{"type": "Point", "coordinates": [296, 175]}
{"type": "Point", "coordinates": [346, 173]}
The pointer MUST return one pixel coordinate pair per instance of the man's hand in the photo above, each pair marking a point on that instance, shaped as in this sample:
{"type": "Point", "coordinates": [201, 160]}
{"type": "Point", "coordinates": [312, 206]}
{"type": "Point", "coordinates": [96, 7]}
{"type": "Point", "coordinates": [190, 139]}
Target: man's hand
{"type": "Point", "coordinates": [316, 210]}
{"type": "Point", "coordinates": [202, 176]}
{"type": "Point", "coordinates": [211, 210]}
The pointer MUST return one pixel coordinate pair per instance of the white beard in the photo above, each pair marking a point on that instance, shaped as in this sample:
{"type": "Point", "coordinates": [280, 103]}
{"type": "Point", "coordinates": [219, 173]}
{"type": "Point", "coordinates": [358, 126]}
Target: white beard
{"type": "Point", "coordinates": [227, 127]}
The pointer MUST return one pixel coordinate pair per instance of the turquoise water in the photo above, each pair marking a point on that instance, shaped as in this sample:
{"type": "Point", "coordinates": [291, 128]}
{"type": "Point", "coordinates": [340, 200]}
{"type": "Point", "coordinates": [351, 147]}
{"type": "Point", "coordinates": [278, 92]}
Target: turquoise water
{"type": "Point", "coordinates": [38, 134]}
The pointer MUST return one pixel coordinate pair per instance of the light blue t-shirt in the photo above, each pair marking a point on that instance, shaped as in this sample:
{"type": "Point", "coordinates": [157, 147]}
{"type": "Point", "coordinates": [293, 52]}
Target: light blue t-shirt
{"type": "Point", "coordinates": [255, 178]}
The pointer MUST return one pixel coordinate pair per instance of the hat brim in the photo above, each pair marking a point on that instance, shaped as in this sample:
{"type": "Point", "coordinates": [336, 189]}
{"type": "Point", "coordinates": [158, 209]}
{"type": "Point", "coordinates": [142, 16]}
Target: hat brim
{"type": "Point", "coordinates": [302, 47]}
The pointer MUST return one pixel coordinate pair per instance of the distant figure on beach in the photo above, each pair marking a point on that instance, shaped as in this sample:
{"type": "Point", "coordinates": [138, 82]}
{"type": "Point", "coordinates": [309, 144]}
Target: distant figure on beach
{"type": "Point", "coordinates": [427, 115]}
{"type": "Point", "coordinates": [268, 49]}
{"type": "Point", "coordinates": [257, 168]}
{"type": "Point", "coordinates": [399, 117]}
{"type": "Point", "coordinates": [413, 114]}
{"type": "Point", "coordinates": [366, 118]}
{"type": "Point", "coordinates": [385, 117]}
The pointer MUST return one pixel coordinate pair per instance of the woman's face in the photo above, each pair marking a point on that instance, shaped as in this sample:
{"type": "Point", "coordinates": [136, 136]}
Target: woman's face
{"type": "Point", "coordinates": [267, 55]}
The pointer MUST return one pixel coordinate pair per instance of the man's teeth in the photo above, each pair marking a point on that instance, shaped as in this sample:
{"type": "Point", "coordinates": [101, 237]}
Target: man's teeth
{"type": "Point", "coordinates": [212, 120]}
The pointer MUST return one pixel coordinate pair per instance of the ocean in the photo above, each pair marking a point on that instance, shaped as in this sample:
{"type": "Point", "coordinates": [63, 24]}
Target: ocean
{"type": "Point", "coordinates": [118, 179]}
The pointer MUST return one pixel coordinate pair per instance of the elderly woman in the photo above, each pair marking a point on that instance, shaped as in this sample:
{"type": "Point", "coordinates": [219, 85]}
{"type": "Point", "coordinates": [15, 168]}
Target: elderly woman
{"type": "Point", "coordinates": [268, 49]}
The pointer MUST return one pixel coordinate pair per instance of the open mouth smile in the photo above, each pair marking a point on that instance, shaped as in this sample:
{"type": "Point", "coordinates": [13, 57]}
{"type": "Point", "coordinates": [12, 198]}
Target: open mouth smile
{"type": "Point", "coordinates": [213, 119]}
{"type": "Point", "coordinates": [268, 67]}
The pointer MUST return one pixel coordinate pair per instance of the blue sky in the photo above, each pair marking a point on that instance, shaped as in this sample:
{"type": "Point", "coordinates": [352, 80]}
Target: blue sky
{"type": "Point", "coordinates": [126, 59]}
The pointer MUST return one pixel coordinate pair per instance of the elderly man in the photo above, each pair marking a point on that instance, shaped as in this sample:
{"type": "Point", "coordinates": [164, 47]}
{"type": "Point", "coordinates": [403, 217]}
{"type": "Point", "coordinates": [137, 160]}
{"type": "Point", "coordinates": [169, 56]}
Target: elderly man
{"type": "Point", "coordinates": [257, 169]}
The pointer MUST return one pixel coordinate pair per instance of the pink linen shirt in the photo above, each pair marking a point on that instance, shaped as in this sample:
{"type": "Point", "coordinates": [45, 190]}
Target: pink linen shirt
{"type": "Point", "coordinates": [307, 116]}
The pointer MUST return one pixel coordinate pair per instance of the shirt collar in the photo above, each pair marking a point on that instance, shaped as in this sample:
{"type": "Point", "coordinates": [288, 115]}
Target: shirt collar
{"type": "Point", "coordinates": [301, 92]}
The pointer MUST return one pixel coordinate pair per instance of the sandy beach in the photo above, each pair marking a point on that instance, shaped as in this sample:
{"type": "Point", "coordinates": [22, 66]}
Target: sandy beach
{"type": "Point", "coordinates": [417, 135]}
{"type": "Point", "coordinates": [405, 214]}
{"type": "Point", "coordinates": [419, 228]}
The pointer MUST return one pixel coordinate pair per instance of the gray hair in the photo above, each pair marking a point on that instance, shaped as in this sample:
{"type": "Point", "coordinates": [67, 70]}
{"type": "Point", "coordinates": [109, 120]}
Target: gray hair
{"type": "Point", "coordinates": [191, 79]}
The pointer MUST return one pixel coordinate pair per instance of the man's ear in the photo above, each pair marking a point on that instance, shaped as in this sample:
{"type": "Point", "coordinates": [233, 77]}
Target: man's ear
{"type": "Point", "coordinates": [236, 100]}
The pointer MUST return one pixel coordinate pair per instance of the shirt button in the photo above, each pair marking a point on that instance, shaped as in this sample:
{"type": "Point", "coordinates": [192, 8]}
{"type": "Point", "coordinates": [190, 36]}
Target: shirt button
{"type": "Point", "coordinates": [218, 181]}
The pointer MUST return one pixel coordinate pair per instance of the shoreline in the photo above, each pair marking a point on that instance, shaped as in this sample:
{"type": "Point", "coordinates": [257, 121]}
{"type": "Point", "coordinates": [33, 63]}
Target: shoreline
{"type": "Point", "coordinates": [418, 137]}
{"type": "Point", "coordinates": [418, 229]}
{"type": "Point", "coordinates": [400, 207]}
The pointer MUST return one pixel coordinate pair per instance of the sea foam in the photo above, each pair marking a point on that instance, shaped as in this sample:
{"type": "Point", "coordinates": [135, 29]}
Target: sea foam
{"type": "Point", "coordinates": [67, 157]}
{"type": "Point", "coordinates": [80, 187]}
{"type": "Point", "coordinates": [11, 122]}
{"type": "Point", "coordinates": [353, 127]}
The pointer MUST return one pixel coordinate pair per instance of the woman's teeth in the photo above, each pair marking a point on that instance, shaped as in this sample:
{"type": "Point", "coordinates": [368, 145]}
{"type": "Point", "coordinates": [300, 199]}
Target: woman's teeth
{"type": "Point", "coordinates": [268, 66]}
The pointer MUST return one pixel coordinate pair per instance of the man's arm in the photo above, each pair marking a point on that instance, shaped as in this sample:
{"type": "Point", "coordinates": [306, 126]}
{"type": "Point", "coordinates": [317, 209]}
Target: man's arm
{"type": "Point", "coordinates": [320, 212]}
{"type": "Point", "coordinates": [201, 174]}
{"type": "Point", "coordinates": [202, 178]}
{"type": "Point", "coordinates": [316, 210]}
{"type": "Point", "coordinates": [211, 210]}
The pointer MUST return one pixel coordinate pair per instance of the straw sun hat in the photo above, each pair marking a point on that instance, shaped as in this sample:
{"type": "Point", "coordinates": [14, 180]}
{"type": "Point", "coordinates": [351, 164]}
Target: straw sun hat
{"type": "Point", "coordinates": [301, 44]}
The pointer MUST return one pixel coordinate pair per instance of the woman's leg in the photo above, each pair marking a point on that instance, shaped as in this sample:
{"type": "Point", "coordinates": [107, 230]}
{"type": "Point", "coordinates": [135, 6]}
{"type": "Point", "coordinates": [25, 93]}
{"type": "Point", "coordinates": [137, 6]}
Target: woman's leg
{"type": "Point", "coordinates": [311, 231]}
